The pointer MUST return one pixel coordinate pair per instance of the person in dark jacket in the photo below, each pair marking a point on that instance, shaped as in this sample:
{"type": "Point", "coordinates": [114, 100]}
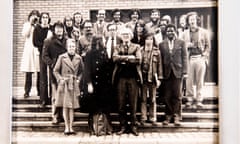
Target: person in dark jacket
{"type": "Point", "coordinates": [52, 48]}
{"type": "Point", "coordinates": [127, 76]}
{"type": "Point", "coordinates": [174, 60]}
{"type": "Point", "coordinates": [98, 73]}
{"type": "Point", "coordinates": [40, 33]}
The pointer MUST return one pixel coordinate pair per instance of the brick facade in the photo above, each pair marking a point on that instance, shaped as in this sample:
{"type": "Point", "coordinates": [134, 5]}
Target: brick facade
{"type": "Point", "coordinates": [60, 8]}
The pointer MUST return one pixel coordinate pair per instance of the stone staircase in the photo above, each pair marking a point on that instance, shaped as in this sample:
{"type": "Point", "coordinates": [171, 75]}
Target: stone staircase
{"type": "Point", "coordinates": [28, 116]}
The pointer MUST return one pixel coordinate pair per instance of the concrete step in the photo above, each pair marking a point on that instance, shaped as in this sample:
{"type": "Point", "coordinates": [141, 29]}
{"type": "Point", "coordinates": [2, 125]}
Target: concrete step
{"type": "Point", "coordinates": [83, 126]}
{"type": "Point", "coordinates": [35, 100]}
{"type": "Point", "coordinates": [160, 108]}
{"type": "Point", "coordinates": [46, 116]}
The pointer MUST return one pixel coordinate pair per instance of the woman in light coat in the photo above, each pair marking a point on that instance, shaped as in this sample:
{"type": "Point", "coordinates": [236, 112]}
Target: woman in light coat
{"type": "Point", "coordinates": [68, 72]}
{"type": "Point", "coordinates": [30, 57]}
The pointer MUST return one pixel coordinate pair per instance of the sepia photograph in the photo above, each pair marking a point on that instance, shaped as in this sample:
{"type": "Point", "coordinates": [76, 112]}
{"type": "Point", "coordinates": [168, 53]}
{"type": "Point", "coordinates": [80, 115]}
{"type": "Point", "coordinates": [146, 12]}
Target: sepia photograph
{"type": "Point", "coordinates": [115, 72]}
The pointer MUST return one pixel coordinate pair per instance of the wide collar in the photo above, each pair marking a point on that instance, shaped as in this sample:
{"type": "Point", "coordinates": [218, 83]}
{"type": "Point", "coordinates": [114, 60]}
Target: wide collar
{"type": "Point", "coordinates": [72, 64]}
{"type": "Point", "coordinates": [131, 47]}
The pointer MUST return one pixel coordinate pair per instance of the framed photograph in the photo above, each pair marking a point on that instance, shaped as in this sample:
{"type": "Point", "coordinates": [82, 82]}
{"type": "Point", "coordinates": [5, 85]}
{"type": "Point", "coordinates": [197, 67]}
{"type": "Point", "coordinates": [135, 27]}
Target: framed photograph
{"type": "Point", "coordinates": [32, 112]}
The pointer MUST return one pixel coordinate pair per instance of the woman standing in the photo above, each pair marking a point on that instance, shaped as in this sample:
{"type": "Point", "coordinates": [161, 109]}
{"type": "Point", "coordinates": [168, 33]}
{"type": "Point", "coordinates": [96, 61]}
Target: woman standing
{"type": "Point", "coordinates": [40, 33]}
{"type": "Point", "coordinates": [138, 34]}
{"type": "Point", "coordinates": [68, 26]}
{"type": "Point", "coordinates": [98, 74]}
{"type": "Point", "coordinates": [68, 72]}
{"type": "Point", "coordinates": [30, 58]}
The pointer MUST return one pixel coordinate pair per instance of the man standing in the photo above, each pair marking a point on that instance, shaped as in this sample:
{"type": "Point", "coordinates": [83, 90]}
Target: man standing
{"type": "Point", "coordinates": [52, 48]}
{"type": "Point", "coordinates": [174, 60]}
{"type": "Point", "coordinates": [116, 15]}
{"type": "Point", "coordinates": [134, 17]}
{"type": "Point", "coordinates": [198, 45]}
{"type": "Point", "coordinates": [154, 25]}
{"type": "Point", "coordinates": [100, 27]}
{"type": "Point", "coordinates": [127, 77]}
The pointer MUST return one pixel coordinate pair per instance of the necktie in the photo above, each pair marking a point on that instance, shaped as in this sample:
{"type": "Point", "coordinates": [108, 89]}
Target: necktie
{"type": "Point", "coordinates": [125, 49]}
{"type": "Point", "coordinates": [112, 46]}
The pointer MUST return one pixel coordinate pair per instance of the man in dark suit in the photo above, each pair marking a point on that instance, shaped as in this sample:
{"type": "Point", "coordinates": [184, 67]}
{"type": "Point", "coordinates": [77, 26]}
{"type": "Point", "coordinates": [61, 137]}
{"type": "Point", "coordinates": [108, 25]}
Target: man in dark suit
{"type": "Point", "coordinates": [127, 75]}
{"type": "Point", "coordinates": [52, 48]}
{"type": "Point", "coordinates": [174, 59]}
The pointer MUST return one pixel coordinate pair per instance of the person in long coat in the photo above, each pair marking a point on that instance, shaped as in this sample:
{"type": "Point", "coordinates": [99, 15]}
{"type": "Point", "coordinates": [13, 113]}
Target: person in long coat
{"type": "Point", "coordinates": [30, 57]}
{"type": "Point", "coordinates": [68, 72]}
{"type": "Point", "coordinates": [98, 73]}
{"type": "Point", "coordinates": [52, 48]}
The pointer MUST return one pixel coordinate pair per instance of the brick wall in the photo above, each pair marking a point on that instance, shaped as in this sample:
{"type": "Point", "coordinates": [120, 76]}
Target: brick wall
{"type": "Point", "coordinates": [60, 8]}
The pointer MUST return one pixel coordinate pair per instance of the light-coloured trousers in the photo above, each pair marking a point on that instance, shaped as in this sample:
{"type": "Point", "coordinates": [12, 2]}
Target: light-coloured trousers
{"type": "Point", "coordinates": [149, 89]}
{"type": "Point", "coordinates": [196, 73]}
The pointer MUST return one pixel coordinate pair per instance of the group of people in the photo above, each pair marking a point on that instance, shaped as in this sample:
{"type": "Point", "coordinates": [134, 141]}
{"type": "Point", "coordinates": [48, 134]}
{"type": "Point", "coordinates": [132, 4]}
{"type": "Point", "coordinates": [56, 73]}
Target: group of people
{"type": "Point", "coordinates": [116, 64]}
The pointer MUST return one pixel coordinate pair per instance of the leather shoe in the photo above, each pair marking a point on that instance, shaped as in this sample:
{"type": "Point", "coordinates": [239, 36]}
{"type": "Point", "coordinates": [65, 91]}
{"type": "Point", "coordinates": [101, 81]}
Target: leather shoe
{"type": "Point", "coordinates": [26, 95]}
{"type": "Point", "coordinates": [177, 120]}
{"type": "Point", "coordinates": [43, 104]}
{"type": "Point", "coordinates": [167, 121]}
{"type": "Point", "coordinates": [188, 105]}
{"type": "Point", "coordinates": [66, 133]}
{"type": "Point", "coordinates": [123, 130]}
{"type": "Point", "coordinates": [143, 122]}
{"type": "Point", "coordinates": [177, 123]}
{"type": "Point", "coordinates": [199, 105]}
{"type": "Point", "coordinates": [109, 133]}
{"type": "Point", "coordinates": [55, 121]}
{"type": "Point", "coordinates": [154, 123]}
{"type": "Point", "coordinates": [134, 131]}
{"type": "Point", "coordinates": [72, 133]}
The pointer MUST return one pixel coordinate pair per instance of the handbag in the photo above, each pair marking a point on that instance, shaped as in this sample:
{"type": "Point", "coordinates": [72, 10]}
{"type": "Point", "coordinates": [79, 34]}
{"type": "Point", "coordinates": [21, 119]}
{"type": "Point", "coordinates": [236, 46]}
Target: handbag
{"type": "Point", "coordinates": [100, 124]}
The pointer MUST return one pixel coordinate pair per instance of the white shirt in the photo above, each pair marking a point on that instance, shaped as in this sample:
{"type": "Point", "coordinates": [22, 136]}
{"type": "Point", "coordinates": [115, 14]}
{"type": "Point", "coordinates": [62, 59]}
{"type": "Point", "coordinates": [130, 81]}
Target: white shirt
{"type": "Point", "coordinates": [170, 45]}
{"type": "Point", "coordinates": [109, 45]}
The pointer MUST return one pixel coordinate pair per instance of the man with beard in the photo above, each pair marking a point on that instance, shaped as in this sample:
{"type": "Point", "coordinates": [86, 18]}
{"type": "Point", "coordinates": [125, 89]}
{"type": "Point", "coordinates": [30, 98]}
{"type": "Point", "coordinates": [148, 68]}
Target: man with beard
{"type": "Point", "coordinates": [134, 16]}
{"type": "Point", "coordinates": [52, 48]}
{"type": "Point", "coordinates": [86, 40]}
{"type": "Point", "coordinates": [116, 15]}
{"type": "Point", "coordinates": [154, 25]}
{"type": "Point", "coordinates": [165, 20]}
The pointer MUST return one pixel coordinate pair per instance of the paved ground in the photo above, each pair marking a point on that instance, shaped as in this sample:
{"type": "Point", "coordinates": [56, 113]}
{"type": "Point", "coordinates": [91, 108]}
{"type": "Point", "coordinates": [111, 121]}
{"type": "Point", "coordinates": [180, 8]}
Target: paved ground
{"type": "Point", "coordinates": [143, 138]}
{"type": "Point", "coordinates": [23, 137]}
